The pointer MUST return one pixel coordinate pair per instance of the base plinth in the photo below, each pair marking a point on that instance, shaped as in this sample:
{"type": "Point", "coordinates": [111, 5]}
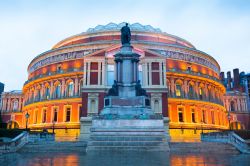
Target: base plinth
{"type": "Point", "coordinates": [129, 135]}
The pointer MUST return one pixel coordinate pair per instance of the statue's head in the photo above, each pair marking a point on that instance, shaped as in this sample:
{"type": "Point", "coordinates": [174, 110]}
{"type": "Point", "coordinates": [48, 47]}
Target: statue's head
{"type": "Point", "coordinates": [126, 24]}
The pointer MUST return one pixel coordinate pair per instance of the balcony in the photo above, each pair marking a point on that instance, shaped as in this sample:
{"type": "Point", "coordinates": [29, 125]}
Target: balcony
{"type": "Point", "coordinates": [205, 99]}
{"type": "Point", "coordinates": [193, 74]}
{"type": "Point", "coordinates": [71, 70]}
{"type": "Point", "coordinates": [49, 99]}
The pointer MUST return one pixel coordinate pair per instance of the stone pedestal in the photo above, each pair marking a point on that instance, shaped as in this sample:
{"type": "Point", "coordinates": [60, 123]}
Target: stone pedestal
{"type": "Point", "coordinates": [86, 123]}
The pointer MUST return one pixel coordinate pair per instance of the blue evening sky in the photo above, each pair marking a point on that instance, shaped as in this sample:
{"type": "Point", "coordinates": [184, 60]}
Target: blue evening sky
{"type": "Point", "coordinates": [220, 28]}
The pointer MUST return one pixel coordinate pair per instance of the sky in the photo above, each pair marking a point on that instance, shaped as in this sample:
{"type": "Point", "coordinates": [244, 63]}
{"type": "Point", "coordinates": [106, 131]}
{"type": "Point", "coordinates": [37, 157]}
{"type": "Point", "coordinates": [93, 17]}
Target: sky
{"type": "Point", "coordinates": [220, 28]}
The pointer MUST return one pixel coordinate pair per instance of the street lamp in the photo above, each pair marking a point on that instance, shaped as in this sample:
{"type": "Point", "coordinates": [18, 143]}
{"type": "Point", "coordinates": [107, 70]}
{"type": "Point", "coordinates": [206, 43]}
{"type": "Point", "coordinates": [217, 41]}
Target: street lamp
{"type": "Point", "coordinates": [27, 115]}
{"type": "Point", "coordinates": [229, 119]}
{"type": "Point", "coordinates": [53, 126]}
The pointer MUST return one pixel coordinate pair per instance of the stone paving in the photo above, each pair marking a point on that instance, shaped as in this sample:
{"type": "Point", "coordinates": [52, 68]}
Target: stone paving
{"type": "Point", "coordinates": [123, 159]}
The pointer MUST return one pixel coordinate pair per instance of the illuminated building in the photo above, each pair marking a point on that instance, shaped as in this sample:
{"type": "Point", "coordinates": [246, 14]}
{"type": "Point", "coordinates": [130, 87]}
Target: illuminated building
{"type": "Point", "coordinates": [11, 108]}
{"type": "Point", "coordinates": [71, 79]}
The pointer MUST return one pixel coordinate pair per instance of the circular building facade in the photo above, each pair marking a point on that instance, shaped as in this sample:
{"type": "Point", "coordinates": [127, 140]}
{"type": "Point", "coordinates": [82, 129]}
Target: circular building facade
{"type": "Point", "coordinates": [70, 80]}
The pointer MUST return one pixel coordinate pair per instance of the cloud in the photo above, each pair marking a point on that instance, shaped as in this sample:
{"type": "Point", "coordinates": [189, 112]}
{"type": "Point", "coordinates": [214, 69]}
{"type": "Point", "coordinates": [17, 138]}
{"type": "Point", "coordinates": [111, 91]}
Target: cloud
{"type": "Point", "coordinates": [28, 28]}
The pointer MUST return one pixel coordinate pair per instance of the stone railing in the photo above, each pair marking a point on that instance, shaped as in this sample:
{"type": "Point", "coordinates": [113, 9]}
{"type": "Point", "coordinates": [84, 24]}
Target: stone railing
{"type": "Point", "coordinates": [194, 74]}
{"type": "Point", "coordinates": [53, 98]}
{"type": "Point", "coordinates": [15, 144]}
{"type": "Point", "coordinates": [228, 137]}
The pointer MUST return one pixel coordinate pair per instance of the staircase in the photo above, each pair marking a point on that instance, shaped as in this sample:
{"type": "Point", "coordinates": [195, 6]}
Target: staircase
{"type": "Point", "coordinates": [130, 139]}
{"type": "Point", "coordinates": [202, 147]}
{"type": "Point", "coordinates": [52, 146]}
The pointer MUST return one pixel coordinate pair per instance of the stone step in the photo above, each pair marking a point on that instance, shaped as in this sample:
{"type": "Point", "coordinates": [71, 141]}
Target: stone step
{"type": "Point", "coordinates": [55, 147]}
{"type": "Point", "coordinates": [202, 147]}
{"type": "Point", "coordinates": [127, 148]}
{"type": "Point", "coordinates": [126, 138]}
{"type": "Point", "coordinates": [125, 143]}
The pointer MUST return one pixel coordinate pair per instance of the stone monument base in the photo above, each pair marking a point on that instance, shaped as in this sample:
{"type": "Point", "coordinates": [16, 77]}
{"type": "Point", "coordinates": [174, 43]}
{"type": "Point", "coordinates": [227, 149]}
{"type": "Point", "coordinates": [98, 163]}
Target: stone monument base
{"type": "Point", "coordinates": [126, 134]}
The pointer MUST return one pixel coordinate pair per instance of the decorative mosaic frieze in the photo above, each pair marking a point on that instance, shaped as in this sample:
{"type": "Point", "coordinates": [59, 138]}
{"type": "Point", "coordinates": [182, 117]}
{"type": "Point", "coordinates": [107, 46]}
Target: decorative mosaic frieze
{"type": "Point", "coordinates": [188, 58]}
{"type": "Point", "coordinates": [60, 58]}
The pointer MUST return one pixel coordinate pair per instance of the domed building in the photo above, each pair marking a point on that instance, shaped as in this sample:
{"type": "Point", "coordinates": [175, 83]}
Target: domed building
{"type": "Point", "coordinates": [70, 80]}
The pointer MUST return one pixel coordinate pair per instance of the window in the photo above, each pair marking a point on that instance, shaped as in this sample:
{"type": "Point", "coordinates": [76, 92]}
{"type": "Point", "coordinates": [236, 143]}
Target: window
{"type": "Point", "coordinates": [68, 115]}
{"type": "Point", "coordinates": [44, 115]}
{"type": "Point", "coordinates": [200, 93]}
{"type": "Point", "coordinates": [212, 116]}
{"type": "Point", "coordinates": [47, 93]}
{"type": "Point", "coordinates": [191, 91]}
{"type": "Point", "coordinates": [55, 115]}
{"type": "Point", "coordinates": [15, 105]}
{"type": "Point", "coordinates": [70, 89]}
{"type": "Point", "coordinates": [58, 91]}
{"type": "Point", "coordinates": [156, 106]}
{"type": "Point", "coordinates": [35, 120]}
{"type": "Point", "coordinates": [180, 114]}
{"type": "Point", "coordinates": [140, 73]}
{"type": "Point", "coordinates": [232, 106]}
{"type": "Point", "coordinates": [193, 115]}
{"type": "Point", "coordinates": [111, 74]}
{"type": "Point", "coordinates": [178, 90]}
{"type": "Point", "coordinates": [203, 116]}
{"type": "Point", "coordinates": [189, 68]}
{"type": "Point", "coordinates": [93, 106]}
{"type": "Point", "coordinates": [38, 95]}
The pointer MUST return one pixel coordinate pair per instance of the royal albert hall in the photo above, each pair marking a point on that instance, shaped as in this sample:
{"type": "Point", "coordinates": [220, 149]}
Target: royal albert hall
{"type": "Point", "coordinates": [70, 80]}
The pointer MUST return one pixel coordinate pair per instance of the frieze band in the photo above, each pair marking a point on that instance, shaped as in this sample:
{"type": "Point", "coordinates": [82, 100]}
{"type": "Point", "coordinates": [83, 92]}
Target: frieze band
{"type": "Point", "coordinates": [61, 57]}
{"type": "Point", "coordinates": [187, 57]}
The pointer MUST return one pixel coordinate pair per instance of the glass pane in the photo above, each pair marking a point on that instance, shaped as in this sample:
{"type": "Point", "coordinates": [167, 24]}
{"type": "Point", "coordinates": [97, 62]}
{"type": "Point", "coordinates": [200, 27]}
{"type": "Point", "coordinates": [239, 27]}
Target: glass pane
{"type": "Point", "coordinates": [111, 77]}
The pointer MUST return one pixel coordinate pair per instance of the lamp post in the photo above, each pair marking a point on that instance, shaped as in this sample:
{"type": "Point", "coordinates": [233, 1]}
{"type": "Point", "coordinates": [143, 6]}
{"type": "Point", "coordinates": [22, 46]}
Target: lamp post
{"type": "Point", "coordinates": [53, 126]}
{"type": "Point", "coordinates": [201, 126]}
{"type": "Point", "coordinates": [229, 119]}
{"type": "Point", "coordinates": [27, 115]}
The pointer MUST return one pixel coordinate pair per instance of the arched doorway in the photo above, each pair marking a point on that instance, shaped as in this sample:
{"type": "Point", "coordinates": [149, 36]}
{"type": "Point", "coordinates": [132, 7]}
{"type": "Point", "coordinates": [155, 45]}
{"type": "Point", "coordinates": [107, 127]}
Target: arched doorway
{"type": "Point", "coordinates": [236, 126]}
{"type": "Point", "coordinates": [12, 125]}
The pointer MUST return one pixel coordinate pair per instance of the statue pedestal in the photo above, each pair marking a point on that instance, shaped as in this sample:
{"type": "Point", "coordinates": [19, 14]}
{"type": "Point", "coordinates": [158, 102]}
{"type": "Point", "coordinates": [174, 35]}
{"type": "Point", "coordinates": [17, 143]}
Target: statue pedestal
{"type": "Point", "coordinates": [127, 121]}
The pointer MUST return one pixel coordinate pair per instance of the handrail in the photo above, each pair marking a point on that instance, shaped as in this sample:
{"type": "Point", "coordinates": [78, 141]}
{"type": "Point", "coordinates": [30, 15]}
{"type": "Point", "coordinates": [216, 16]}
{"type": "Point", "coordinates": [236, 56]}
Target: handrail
{"type": "Point", "coordinates": [227, 137]}
{"type": "Point", "coordinates": [15, 144]}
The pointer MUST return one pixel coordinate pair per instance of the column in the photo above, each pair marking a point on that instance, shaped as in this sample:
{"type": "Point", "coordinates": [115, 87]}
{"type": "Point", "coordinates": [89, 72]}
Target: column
{"type": "Point", "coordinates": [160, 70]}
{"type": "Point", "coordinates": [19, 103]}
{"type": "Point", "coordinates": [88, 75]}
{"type": "Point", "coordinates": [84, 73]}
{"type": "Point", "coordinates": [63, 88]}
{"type": "Point", "coordinates": [164, 73]}
{"type": "Point", "coordinates": [150, 73]}
{"type": "Point", "coordinates": [103, 73]}
{"type": "Point", "coordinates": [76, 86]}
{"type": "Point", "coordinates": [99, 73]}
{"type": "Point", "coordinates": [144, 72]}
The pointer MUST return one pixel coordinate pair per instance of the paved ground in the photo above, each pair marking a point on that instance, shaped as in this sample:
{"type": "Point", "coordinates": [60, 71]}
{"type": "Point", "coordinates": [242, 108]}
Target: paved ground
{"type": "Point", "coordinates": [73, 154]}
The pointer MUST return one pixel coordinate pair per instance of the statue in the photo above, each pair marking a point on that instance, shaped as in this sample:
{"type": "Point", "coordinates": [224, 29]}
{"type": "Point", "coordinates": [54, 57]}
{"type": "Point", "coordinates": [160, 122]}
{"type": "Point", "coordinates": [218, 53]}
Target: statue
{"type": "Point", "coordinates": [125, 34]}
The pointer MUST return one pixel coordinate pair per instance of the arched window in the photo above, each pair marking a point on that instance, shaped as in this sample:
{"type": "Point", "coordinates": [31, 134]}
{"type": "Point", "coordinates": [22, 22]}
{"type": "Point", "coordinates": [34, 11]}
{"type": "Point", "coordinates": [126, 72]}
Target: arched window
{"type": "Point", "coordinates": [191, 91]}
{"type": "Point", "coordinates": [178, 90]}
{"type": "Point", "coordinates": [70, 89]}
{"type": "Point", "coordinates": [232, 106]}
{"type": "Point", "coordinates": [58, 91]}
{"type": "Point", "coordinates": [15, 105]}
{"type": "Point", "coordinates": [38, 96]}
{"type": "Point", "coordinates": [47, 92]}
{"type": "Point", "coordinates": [201, 93]}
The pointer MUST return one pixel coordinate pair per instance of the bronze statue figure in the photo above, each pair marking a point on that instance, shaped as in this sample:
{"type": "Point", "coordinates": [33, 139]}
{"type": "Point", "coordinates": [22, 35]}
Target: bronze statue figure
{"type": "Point", "coordinates": [125, 34]}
